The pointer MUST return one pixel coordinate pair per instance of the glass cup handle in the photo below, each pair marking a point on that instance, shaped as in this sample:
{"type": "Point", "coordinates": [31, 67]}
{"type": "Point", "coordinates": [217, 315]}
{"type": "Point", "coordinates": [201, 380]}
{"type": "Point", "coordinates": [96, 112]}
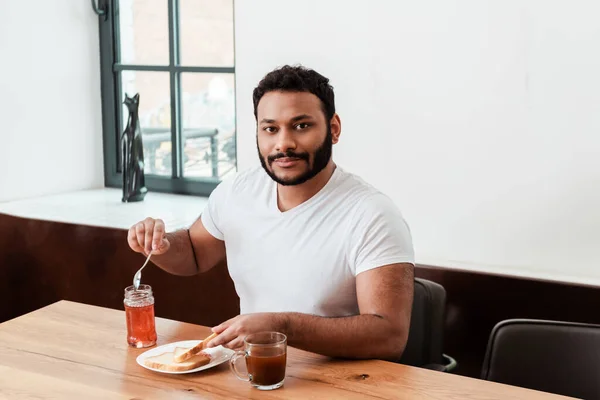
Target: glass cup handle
{"type": "Point", "coordinates": [232, 364]}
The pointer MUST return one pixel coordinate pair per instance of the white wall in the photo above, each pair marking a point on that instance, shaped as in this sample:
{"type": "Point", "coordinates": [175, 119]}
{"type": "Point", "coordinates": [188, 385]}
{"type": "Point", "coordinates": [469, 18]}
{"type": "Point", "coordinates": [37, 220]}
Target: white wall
{"type": "Point", "coordinates": [481, 119]}
{"type": "Point", "coordinates": [50, 110]}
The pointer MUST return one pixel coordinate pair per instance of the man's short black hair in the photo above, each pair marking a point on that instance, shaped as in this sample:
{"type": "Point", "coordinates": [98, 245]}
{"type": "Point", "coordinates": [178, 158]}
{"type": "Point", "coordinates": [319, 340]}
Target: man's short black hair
{"type": "Point", "coordinates": [297, 79]}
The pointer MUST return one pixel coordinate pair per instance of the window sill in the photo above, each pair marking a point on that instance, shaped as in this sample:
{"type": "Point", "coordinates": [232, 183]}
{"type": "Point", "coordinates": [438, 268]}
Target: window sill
{"type": "Point", "coordinates": [103, 208]}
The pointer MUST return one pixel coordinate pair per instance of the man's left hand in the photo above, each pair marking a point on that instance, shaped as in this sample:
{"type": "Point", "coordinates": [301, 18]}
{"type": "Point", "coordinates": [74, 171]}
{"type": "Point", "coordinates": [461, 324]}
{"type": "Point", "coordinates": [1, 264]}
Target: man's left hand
{"type": "Point", "coordinates": [231, 333]}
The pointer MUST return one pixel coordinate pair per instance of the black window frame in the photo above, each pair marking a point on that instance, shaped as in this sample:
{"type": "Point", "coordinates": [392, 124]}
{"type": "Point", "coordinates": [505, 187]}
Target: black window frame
{"type": "Point", "coordinates": [112, 97]}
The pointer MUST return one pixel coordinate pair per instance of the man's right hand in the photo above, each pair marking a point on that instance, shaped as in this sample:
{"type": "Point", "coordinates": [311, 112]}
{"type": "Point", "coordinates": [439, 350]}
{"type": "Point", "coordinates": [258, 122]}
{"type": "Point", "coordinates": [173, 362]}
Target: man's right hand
{"type": "Point", "coordinates": [148, 235]}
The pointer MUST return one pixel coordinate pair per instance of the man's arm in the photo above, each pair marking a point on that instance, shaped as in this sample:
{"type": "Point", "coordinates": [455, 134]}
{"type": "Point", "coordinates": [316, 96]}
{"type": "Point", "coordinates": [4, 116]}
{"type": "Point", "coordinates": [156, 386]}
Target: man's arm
{"type": "Point", "coordinates": [184, 252]}
{"type": "Point", "coordinates": [385, 296]}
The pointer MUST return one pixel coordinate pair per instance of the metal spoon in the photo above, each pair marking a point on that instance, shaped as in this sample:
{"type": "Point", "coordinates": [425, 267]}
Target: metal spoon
{"type": "Point", "coordinates": [138, 275]}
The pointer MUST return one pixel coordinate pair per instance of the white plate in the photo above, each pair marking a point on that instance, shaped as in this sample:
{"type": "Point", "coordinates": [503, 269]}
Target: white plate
{"type": "Point", "coordinates": [217, 354]}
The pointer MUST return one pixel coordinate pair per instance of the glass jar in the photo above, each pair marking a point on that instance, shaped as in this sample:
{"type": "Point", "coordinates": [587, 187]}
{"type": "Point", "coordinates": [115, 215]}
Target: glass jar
{"type": "Point", "coordinates": [139, 314]}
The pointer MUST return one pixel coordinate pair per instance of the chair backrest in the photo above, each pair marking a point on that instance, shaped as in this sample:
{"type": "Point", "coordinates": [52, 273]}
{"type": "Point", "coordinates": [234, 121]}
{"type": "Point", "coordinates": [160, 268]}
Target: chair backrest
{"type": "Point", "coordinates": [425, 337]}
{"type": "Point", "coordinates": [550, 356]}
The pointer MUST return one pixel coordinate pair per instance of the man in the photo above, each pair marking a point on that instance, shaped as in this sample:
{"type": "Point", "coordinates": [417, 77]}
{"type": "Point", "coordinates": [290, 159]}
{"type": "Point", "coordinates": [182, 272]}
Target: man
{"type": "Point", "coordinates": [314, 252]}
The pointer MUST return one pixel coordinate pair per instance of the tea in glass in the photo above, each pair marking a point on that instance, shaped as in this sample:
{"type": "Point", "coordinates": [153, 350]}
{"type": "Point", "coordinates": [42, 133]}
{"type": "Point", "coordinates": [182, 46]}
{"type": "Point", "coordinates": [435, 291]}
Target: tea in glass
{"type": "Point", "coordinates": [266, 358]}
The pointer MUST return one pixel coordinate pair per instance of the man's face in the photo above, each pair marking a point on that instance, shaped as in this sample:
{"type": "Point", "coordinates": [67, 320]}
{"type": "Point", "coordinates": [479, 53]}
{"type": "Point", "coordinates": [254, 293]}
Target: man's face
{"type": "Point", "coordinates": [294, 139]}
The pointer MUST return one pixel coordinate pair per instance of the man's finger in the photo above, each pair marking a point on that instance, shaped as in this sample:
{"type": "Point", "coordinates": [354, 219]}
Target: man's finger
{"type": "Point", "coordinates": [140, 233]}
{"type": "Point", "coordinates": [235, 344]}
{"type": "Point", "coordinates": [149, 228]}
{"type": "Point", "coordinates": [159, 233]}
{"type": "Point", "coordinates": [132, 240]}
{"type": "Point", "coordinates": [222, 338]}
{"type": "Point", "coordinates": [224, 325]}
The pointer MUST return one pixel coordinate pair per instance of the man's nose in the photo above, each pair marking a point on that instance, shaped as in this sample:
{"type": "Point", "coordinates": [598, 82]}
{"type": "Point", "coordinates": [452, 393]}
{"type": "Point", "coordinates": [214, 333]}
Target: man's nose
{"type": "Point", "coordinates": [285, 141]}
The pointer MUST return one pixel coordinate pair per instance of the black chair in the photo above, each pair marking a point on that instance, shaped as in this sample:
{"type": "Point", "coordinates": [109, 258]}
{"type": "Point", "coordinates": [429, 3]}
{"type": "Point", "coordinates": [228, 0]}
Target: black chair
{"type": "Point", "coordinates": [550, 356]}
{"type": "Point", "coordinates": [426, 335]}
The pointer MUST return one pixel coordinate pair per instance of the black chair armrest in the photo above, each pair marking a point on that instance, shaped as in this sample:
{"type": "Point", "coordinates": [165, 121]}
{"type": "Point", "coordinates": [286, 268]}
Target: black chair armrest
{"type": "Point", "coordinates": [448, 367]}
{"type": "Point", "coordinates": [451, 363]}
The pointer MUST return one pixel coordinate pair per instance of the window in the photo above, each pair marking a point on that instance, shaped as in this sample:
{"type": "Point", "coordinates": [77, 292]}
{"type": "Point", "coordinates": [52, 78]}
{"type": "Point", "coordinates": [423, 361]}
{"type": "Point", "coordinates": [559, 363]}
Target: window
{"type": "Point", "coordinates": [179, 56]}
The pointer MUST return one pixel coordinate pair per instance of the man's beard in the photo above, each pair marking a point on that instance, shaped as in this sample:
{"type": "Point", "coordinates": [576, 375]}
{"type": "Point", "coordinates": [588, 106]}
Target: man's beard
{"type": "Point", "coordinates": [321, 158]}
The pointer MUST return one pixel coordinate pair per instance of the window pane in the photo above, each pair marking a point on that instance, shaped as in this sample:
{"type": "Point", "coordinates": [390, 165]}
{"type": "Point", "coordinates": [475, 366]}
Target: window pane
{"type": "Point", "coordinates": [206, 32]}
{"type": "Point", "coordinates": [155, 117]}
{"type": "Point", "coordinates": [144, 31]}
{"type": "Point", "coordinates": [208, 123]}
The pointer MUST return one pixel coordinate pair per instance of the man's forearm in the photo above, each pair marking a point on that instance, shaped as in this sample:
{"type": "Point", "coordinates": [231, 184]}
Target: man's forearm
{"type": "Point", "coordinates": [180, 259]}
{"type": "Point", "coordinates": [360, 336]}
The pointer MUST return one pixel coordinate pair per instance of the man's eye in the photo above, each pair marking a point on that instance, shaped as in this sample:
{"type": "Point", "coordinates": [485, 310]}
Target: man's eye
{"type": "Point", "coordinates": [302, 126]}
{"type": "Point", "coordinates": [270, 129]}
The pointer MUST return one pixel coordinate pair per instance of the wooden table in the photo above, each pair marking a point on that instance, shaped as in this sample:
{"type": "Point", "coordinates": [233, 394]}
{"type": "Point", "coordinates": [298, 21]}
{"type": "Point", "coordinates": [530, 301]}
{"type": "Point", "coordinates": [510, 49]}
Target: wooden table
{"type": "Point", "coordinates": [70, 350]}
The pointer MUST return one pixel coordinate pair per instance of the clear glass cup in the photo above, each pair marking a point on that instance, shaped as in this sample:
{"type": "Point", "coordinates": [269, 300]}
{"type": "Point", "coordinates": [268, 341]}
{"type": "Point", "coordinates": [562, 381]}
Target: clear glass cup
{"type": "Point", "coordinates": [266, 358]}
{"type": "Point", "coordinates": [139, 315]}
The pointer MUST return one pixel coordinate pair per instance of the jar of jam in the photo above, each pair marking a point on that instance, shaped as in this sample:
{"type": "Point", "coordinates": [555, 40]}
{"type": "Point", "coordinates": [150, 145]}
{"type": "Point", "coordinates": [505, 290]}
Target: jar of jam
{"type": "Point", "coordinates": [139, 314]}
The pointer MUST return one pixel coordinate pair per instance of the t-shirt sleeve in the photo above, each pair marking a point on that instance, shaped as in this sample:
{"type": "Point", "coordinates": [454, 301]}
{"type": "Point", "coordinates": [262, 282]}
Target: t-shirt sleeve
{"type": "Point", "coordinates": [213, 216]}
{"type": "Point", "coordinates": [381, 235]}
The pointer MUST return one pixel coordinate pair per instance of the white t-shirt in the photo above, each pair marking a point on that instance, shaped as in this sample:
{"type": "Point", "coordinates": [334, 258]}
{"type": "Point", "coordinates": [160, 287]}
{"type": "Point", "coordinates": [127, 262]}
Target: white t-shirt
{"type": "Point", "coordinates": [305, 259]}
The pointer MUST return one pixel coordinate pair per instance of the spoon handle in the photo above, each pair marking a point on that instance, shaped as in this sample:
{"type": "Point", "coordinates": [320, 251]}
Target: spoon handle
{"type": "Point", "coordinates": [147, 259]}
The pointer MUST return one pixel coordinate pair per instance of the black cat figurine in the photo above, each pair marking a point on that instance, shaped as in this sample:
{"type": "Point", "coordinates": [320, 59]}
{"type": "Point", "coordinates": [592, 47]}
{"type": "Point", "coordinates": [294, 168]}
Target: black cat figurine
{"type": "Point", "coordinates": [132, 154]}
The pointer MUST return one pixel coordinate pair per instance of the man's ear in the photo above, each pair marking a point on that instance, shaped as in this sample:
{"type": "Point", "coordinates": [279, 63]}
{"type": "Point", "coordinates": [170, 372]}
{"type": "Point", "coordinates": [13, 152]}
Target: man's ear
{"type": "Point", "coordinates": [336, 128]}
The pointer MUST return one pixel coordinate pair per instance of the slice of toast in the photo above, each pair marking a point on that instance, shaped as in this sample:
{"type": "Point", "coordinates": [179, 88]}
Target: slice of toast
{"type": "Point", "coordinates": [194, 350]}
{"type": "Point", "coordinates": [166, 361]}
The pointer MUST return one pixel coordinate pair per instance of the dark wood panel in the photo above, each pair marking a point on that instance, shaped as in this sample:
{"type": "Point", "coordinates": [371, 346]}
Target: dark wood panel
{"type": "Point", "coordinates": [42, 262]}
